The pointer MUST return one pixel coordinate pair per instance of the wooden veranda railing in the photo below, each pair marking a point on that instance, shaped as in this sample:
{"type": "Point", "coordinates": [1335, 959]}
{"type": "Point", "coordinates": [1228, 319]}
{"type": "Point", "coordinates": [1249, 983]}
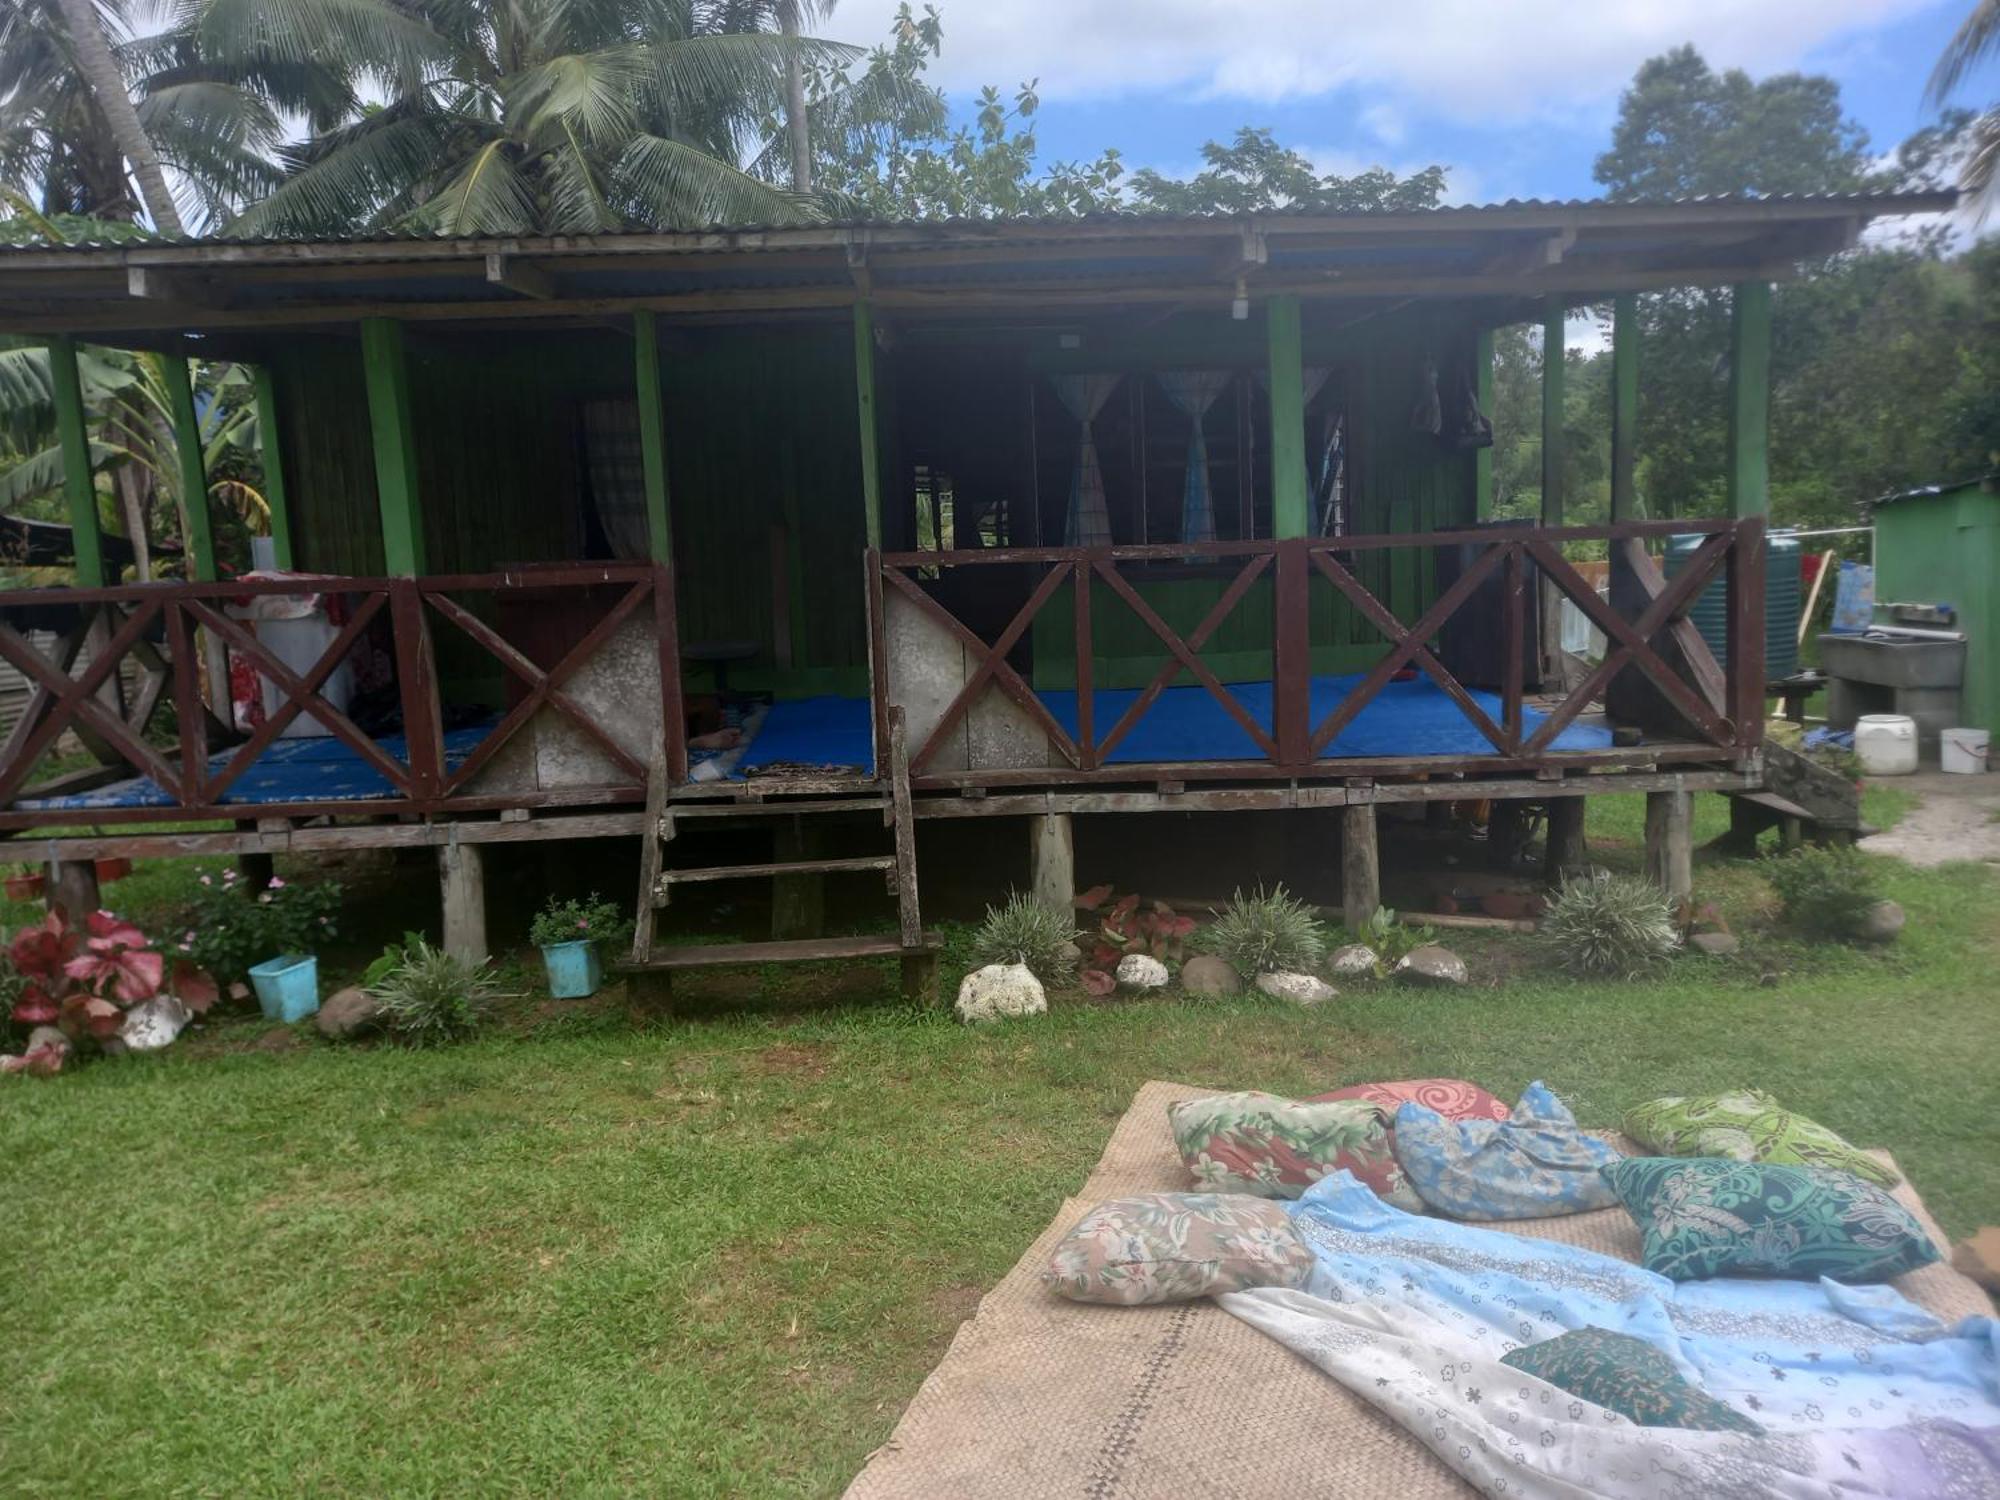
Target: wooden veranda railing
{"type": "Point", "coordinates": [198, 757]}
{"type": "Point", "coordinates": [1721, 702]}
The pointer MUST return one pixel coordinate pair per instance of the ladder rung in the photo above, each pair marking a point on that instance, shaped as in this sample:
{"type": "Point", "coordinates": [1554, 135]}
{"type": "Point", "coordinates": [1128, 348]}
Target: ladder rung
{"type": "Point", "coordinates": [680, 810]}
{"type": "Point", "coordinates": [788, 867]}
{"type": "Point", "coordinates": [799, 950]}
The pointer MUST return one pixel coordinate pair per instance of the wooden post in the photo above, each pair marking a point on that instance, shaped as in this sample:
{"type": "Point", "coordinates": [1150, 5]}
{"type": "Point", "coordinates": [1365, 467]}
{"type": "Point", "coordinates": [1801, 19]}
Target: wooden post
{"type": "Point", "coordinates": [1482, 458]}
{"type": "Point", "coordinates": [864, 404]}
{"type": "Point", "coordinates": [1360, 865]}
{"type": "Point", "coordinates": [1554, 316]}
{"type": "Point", "coordinates": [1566, 853]}
{"type": "Point", "coordinates": [1503, 834]}
{"type": "Point", "coordinates": [462, 877]}
{"type": "Point", "coordinates": [1750, 399]}
{"type": "Point", "coordinates": [387, 373]}
{"type": "Point", "coordinates": [1290, 508]}
{"type": "Point", "coordinates": [1052, 860]}
{"type": "Point", "coordinates": [193, 472]}
{"type": "Point", "coordinates": [271, 448]}
{"type": "Point", "coordinates": [1670, 843]}
{"type": "Point", "coordinates": [798, 902]}
{"type": "Point", "coordinates": [79, 485]}
{"type": "Point", "coordinates": [652, 435]}
{"type": "Point", "coordinates": [72, 885]}
{"type": "Point", "coordinates": [1625, 407]}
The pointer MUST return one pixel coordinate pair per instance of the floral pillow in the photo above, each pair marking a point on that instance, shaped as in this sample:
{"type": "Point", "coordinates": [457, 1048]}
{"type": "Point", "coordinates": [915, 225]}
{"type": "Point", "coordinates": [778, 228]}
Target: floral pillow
{"type": "Point", "coordinates": [1169, 1247]}
{"type": "Point", "coordinates": [1531, 1166]}
{"type": "Point", "coordinates": [1277, 1148]}
{"type": "Point", "coordinates": [1453, 1098]}
{"type": "Point", "coordinates": [1746, 1125]}
{"type": "Point", "coordinates": [1700, 1217]}
{"type": "Point", "coordinates": [1629, 1376]}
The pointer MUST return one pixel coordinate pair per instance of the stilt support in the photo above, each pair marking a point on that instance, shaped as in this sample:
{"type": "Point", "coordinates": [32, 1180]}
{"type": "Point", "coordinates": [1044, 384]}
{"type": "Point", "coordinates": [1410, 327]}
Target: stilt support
{"type": "Point", "coordinates": [462, 874]}
{"type": "Point", "coordinates": [920, 977]}
{"type": "Point", "coordinates": [1052, 860]}
{"type": "Point", "coordinates": [798, 902]}
{"type": "Point", "coordinates": [1670, 843]}
{"type": "Point", "coordinates": [1360, 865]}
{"type": "Point", "coordinates": [1566, 852]}
{"type": "Point", "coordinates": [72, 885]}
{"type": "Point", "coordinates": [1503, 834]}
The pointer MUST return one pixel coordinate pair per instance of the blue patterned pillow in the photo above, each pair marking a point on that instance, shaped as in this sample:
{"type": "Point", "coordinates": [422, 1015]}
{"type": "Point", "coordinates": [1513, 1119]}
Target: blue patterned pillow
{"type": "Point", "coordinates": [1706, 1217]}
{"type": "Point", "coordinates": [1535, 1165]}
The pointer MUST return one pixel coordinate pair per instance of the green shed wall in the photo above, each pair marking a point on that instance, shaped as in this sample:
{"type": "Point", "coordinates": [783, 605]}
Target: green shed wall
{"type": "Point", "coordinates": [1945, 549]}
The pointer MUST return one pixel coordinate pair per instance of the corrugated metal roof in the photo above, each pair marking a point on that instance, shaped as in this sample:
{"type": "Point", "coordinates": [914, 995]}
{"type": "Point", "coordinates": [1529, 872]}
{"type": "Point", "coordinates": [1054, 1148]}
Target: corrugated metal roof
{"type": "Point", "coordinates": [1056, 225]}
{"type": "Point", "coordinates": [1932, 491]}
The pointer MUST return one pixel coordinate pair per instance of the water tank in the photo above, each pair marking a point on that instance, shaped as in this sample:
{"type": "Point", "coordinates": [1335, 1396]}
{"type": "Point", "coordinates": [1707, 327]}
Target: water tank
{"type": "Point", "coordinates": [1781, 602]}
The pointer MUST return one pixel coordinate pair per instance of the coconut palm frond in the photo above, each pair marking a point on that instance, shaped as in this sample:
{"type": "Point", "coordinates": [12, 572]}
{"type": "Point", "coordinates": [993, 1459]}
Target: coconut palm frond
{"type": "Point", "coordinates": [352, 185]}
{"type": "Point", "coordinates": [487, 195]}
{"type": "Point", "coordinates": [1976, 40]}
{"type": "Point", "coordinates": [1980, 170]}
{"type": "Point", "coordinates": [673, 184]}
{"type": "Point", "coordinates": [588, 96]}
{"type": "Point", "coordinates": [738, 71]}
{"type": "Point", "coordinates": [577, 204]}
{"type": "Point", "coordinates": [375, 37]}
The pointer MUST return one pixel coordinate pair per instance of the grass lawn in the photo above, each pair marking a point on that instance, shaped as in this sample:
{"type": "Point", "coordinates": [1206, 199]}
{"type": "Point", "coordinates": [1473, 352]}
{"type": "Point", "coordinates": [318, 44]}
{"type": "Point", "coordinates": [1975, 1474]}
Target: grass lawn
{"type": "Point", "coordinates": [717, 1255]}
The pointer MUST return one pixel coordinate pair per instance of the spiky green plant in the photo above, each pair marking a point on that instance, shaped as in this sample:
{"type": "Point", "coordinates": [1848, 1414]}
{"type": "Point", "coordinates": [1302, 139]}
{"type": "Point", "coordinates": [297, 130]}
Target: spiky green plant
{"type": "Point", "coordinates": [1264, 932]}
{"type": "Point", "coordinates": [1602, 925]}
{"type": "Point", "coordinates": [1825, 892]}
{"type": "Point", "coordinates": [1027, 931]}
{"type": "Point", "coordinates": [433, 997]}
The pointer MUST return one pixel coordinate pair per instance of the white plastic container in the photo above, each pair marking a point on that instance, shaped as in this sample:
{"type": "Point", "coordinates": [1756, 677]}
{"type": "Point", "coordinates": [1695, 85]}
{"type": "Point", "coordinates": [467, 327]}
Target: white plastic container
{"type": "Point", "coordinates": [1886, 744]}
{"type": "Point", "coordinates": [1964, 751]}
{"type": "Point", "coordinates": [298, 644]}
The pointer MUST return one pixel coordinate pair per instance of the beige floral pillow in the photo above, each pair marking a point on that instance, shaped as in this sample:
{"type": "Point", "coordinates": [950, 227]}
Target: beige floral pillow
{"type": "Point", "coordinates": [1170, 1247]}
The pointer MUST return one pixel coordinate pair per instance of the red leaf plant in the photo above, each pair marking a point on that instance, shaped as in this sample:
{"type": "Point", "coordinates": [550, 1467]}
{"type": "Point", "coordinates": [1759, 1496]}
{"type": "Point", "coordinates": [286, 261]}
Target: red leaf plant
{"type": "Point", "coordinates": [84, 983]}
{"type": "Point", "coordinates": [1127, 926]}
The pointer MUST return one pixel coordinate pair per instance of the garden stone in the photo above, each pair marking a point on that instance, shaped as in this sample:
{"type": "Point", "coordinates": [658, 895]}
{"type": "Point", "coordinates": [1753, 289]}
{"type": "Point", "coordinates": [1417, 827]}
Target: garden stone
{"type": "Point", "coordinates": [1881, 923]}
{"type": "Point", "coordinates": [998, 992]}
{"type": "Point", "coordinates": [1300, 989]}
{"type": "Point", "coordinates": [153, 1025]}
{"type": "Point", "coordinates": [346, 1014]}
{"type": "Point", "coordinates": [1714, 944]}
{"type": "Point", "coordinates": [44, 1036]}
{"type": "Point", "coordinates": [1205, 974]}
{"type": "Point", "coordinates": [1070, 956]}
{"type": "Point", "coordinates": [1355, 961]}
{"type": "Point", "coordinates": [1142, 971]}
{"type": "Point", "coordinates": [1433, 965]}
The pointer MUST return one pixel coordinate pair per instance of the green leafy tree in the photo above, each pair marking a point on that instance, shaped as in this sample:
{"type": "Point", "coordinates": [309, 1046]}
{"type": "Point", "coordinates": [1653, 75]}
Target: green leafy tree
{"type": "Point", "coordinates": [1254, 174]}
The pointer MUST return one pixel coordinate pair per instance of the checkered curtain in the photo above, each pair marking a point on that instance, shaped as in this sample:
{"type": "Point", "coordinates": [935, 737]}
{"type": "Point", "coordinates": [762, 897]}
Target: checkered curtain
{"type": "Point", "coordinates": [1192, 393]}
{"type": "Point", "coordinates": [616, 469]}
{"type": "Point", "coordinates": [1083, 397]}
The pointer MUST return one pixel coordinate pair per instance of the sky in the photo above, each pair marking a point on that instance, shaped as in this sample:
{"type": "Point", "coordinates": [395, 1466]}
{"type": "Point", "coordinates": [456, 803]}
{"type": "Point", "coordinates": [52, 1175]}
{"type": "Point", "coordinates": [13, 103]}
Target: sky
{"type": "Point", "coordinates": [1515, 97]}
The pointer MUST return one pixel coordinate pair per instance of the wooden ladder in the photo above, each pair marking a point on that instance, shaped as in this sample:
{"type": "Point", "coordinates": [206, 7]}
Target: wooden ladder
{"type": "Point", "coordinates": [898, 867]}
{"type": "Point", "coordinates": [1800, 797]}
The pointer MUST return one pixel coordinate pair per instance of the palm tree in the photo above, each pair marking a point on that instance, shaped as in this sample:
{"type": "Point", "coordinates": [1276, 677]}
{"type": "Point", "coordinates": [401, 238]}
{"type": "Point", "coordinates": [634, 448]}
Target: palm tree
{"type": "Point", "coordinates": [1976, 40]}
{"type": "Point", "coordinates": [214, 126]}
{"type": "Point", "coordinates": [92, 50]}
{"type": "Point", "coordinates": [552, 116]}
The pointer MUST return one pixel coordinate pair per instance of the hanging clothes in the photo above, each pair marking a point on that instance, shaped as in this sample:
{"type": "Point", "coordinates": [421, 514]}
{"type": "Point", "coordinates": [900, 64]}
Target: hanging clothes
{"type": "Point", "coordinates": [1083, 396]}
{"type": "Point", "coordinates": [1193, 392]}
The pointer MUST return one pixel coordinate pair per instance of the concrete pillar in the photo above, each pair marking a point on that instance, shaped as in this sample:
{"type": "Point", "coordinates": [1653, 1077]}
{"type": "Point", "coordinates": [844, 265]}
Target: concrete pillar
{"type": "Point", "coordinates": [1566, 853]}
{"type": "Point", "coordinates": [462, 875]}
{"type": "Point", "coordinates": [72, 885]}
{"type": "Point", "coordinates": [1052, 860]}
{"type": "Point", "coordinates": [1670, 843]}
{"type": "Point", "coordinates": [1360, 865]}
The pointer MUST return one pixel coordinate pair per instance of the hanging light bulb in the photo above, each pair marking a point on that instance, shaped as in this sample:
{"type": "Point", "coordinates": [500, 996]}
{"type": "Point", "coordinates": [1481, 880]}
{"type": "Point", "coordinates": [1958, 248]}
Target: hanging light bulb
{"type": "Point", "coordinates": [1240, 308]}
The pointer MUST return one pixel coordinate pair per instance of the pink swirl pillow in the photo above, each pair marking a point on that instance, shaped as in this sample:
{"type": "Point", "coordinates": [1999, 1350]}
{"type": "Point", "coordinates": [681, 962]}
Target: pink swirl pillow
{"type": "Point", "coordinates": [1453, 1098]}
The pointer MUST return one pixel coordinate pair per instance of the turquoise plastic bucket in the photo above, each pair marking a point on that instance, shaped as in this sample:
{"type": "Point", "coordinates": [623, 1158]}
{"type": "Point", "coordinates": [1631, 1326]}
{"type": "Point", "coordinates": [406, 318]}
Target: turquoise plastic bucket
{"type": "Point", "coordinates": [575, 970]}
{"type": "Point", "coordinates": [287, 986]}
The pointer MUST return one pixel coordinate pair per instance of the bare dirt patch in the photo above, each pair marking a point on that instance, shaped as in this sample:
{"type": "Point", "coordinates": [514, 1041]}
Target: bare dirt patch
{"type": "Point", "coordinates": [795, 1060]}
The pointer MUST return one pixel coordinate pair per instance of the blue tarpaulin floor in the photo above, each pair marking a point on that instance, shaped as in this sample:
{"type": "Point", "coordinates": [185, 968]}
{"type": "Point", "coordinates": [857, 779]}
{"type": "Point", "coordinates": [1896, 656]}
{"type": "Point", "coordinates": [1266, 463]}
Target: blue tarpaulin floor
{"type": "Point", "coordinates": [1184, 724]}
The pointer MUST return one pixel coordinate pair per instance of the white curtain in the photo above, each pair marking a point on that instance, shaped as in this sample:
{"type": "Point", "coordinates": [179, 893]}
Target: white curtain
{"type": "Point", "coordinates": [1083, 397]}
{"type": "Point", "coordinates": [614, 462]}
{"type": "Point", "coordinates": [1193, 392]}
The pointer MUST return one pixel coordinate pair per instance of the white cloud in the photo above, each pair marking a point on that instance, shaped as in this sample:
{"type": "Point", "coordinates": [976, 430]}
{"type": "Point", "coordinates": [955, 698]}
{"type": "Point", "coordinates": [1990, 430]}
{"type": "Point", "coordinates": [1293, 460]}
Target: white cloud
{"type": "Point", "coordinates": [1468, 60]}
{"type": "Point", "coordinates": [1386, 123]}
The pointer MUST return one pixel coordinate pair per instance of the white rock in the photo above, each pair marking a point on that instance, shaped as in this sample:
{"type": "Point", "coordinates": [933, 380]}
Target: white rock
{"type": "Point", "coordinates": [1300, 989]}
{"type": "Point", "coordinates": [153, 1025]}
{"type": "Point", "coordinates": [1432, 964]}
{"type": "Point", "coordinates": [1000, 991]}
{"type": "Point", "coordinates": [1355, 961]}
{"type": "Point", "coordinates": [1142, 971]}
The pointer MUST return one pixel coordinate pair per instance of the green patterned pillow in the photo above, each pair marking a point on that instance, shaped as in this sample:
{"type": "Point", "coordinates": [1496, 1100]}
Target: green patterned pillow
{"type": "Point", "coordinates": [1746, 1125]}
{"type": "Point", "coordinates": [1700, 1217]}
{"type": "Point", "coordinates": [1629, 1376]}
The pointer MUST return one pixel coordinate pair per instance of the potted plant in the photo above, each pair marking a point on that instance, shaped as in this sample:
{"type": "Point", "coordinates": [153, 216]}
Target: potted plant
{"type": "Point", "coordinates": [116, 868]}
{"type": "Point", "coordinates": [568, 933]}
{"type": "Point", "coordinates": [26, 884]}
{"type": "Point", "coordinates": [267, 936]}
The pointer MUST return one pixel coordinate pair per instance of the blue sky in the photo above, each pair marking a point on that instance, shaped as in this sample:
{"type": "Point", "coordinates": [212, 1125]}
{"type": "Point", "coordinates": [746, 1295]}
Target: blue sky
{"type": "Point", "coordinates": [1517, 97]}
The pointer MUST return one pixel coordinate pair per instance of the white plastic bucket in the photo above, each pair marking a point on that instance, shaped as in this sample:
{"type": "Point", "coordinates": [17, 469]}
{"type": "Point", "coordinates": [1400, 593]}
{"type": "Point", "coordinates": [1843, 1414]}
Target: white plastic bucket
{"type": "Point", "coordinates": [1964, 751]}
{"type": "Point", "coordinates": [1886, 744]}
{"type": "Point", "coordinates": [299, 644]}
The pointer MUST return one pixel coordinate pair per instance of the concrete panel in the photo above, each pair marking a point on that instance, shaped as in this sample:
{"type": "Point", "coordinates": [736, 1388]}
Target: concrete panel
{"type": "Point", "coordinates": [619, 688]}
{"type": "Point", "coordinates": [926, 669]}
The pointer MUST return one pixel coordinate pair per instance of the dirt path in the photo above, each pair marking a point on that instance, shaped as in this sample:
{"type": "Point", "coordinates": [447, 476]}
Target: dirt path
{"type": "Point", "coordinates": [1957, 818]}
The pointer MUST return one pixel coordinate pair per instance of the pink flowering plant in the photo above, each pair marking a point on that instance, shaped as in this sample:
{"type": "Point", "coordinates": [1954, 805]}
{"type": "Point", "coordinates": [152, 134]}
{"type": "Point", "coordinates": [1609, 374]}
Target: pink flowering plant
{"type": "Point", "coordinates": [82, 981]}
{"type": "Point", "coordinates": [235, 924]}
{"type": "Point", "coordinates": [594, 920]}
